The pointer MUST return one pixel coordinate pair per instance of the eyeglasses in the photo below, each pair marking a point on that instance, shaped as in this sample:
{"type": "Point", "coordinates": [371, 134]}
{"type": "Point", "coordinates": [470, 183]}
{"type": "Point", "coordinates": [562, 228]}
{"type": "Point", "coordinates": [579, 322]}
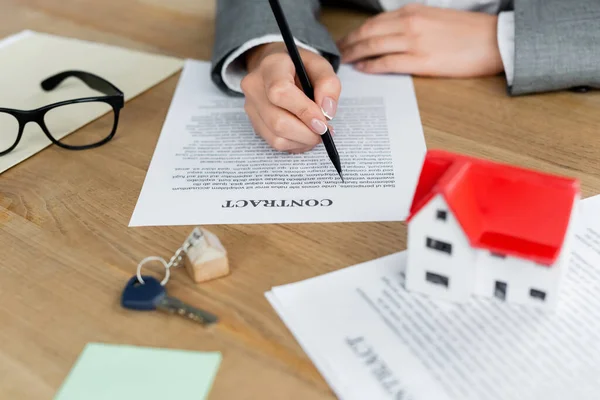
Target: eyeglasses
{"type": "Point", "coordinates": [56, 120]}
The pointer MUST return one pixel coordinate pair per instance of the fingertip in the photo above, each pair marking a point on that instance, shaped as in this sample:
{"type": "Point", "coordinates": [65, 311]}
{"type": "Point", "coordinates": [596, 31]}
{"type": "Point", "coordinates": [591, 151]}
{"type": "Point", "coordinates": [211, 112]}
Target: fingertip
{"type": "Point", "coordinates": [318, 126]}
{"type": "Point", "coordinates": [327, 93]}
{"type": "Point", "coordinates": [329, 107]}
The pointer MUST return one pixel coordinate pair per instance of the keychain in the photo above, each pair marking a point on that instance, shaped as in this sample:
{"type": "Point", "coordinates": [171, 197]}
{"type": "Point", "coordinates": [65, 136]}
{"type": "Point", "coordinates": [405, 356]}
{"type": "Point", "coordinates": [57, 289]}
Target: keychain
{"type": "Point", "coordinates": [152, 295]}
{"type": "Point", "coordinates": [204, 257]}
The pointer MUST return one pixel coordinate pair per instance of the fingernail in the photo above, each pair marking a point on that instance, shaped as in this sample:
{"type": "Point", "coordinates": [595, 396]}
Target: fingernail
{"type": "Point", "coordinates": [318, 126]}
{"type": "Point", "coordinates": [359, 65]}
{"type": "Point", "coordinates": [332, 130]}
{"type": "Point", "coordinates": [329, 107]}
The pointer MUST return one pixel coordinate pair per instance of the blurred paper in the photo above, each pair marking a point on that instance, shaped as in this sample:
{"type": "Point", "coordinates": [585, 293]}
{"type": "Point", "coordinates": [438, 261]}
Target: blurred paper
{"type": "Point", "coordinates": [27, 58]}
{"type": "Point", "coordinates": [372, 339]}
{"type": "Point", "coordinates": [210, 167]}
{"type": "Point", "coordinates": [119, 372]}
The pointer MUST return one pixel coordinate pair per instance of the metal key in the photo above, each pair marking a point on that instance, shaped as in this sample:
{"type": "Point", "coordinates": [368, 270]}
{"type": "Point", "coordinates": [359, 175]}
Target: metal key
{"type": "Point", "coordinates": [151, 295]}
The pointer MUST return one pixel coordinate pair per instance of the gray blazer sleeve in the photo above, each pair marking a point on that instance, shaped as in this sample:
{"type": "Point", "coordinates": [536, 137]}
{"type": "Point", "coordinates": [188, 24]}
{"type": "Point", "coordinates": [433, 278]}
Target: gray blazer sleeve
{"type": "Point", "coordinates": [557, 45]}
{"type": "Point", "coordinates": [238, 21]}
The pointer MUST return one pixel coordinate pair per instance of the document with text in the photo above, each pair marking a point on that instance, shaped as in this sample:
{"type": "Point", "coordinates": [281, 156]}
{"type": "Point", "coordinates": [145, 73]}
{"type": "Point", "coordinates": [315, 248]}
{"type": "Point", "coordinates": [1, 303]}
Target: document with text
{"type": "Point", "coordinates": [371, 339]}
{"type": "Point", "coordinates": [210, 167]}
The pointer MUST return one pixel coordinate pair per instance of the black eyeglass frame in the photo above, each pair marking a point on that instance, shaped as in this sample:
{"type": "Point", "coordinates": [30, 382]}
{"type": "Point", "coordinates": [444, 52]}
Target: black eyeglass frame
{"type": "Point", "coordinates": [113, 97]}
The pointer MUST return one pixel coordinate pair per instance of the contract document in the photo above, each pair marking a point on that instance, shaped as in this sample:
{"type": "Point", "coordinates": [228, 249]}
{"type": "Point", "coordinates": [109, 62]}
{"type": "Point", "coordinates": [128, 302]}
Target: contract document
{"type": "Point", "coordinates": [210, 167]}
{"type": "Point", "coordinates": [371, 339]}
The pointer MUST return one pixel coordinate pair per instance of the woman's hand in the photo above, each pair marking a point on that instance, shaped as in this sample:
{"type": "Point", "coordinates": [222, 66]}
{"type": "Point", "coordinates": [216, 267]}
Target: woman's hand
{"type": "Point", "coordinates": [427, 41]}
{"type": "Point", "coordinates": [279, 110]}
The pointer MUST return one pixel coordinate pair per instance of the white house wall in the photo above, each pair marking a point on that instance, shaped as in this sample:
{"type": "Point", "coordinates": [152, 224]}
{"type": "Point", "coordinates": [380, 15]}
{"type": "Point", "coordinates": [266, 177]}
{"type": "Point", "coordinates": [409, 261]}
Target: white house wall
{"type": "Point", "coordinates": [458, 267]}
{"type": "Point", "coordinates": [520, 277]}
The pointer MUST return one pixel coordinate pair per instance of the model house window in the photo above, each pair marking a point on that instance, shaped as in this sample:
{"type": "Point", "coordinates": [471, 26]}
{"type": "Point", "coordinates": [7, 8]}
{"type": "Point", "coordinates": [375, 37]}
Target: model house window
{"type": "Point", "coordinates": [498, 255]}
{"type": "Point", "coordinates": [441, 215]}
{"type": "Point", "coordinates": [500, 290]}
{"type": "Point", "coordinates": [537, 294]}
{"type": "Point", "coordinates": [439, 245]}
{"type": "Point", "coordinates": [437, 279]}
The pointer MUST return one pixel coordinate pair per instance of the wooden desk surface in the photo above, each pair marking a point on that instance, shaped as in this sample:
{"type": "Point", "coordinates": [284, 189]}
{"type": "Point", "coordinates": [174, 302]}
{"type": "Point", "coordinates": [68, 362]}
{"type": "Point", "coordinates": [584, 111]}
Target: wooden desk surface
{"type": "Point", "coordinates": [67, 250]}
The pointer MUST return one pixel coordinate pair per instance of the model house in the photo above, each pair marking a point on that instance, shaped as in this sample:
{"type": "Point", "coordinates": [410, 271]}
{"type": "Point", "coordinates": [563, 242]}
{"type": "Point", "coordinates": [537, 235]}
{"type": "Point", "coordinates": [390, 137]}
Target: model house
{"type": "Point", "coordinates": [481, 228]}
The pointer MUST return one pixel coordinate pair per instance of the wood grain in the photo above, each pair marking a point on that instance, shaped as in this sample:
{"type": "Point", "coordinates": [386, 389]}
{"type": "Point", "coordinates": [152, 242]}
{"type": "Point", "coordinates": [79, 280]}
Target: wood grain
{"type": "Point", "coordinates": [67, 250]}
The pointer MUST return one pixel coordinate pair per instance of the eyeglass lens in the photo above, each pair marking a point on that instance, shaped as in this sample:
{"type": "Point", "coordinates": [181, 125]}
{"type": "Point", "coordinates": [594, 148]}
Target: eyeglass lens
{"type": "Point", "coordinates": [9, 131]}
{"type": "Point", "coordinates": [60, 120]}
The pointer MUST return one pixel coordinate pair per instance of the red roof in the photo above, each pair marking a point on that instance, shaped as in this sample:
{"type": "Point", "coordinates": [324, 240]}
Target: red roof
{"type": "Point", "coordinates": [501, 208]}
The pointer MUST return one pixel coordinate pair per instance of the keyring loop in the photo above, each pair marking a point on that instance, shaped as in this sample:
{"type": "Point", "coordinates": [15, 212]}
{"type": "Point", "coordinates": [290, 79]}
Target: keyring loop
{"type": "Point", "coordinates": [153, 258]}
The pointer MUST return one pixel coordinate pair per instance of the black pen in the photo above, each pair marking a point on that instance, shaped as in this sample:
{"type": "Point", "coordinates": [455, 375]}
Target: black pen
{"type": "Point", "coordinates": [288, 38]}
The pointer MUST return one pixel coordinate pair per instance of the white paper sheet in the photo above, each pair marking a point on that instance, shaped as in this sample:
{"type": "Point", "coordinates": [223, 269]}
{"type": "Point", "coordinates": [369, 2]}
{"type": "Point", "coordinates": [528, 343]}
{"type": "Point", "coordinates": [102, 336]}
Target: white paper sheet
{"type": "Point", "coordinates": [15, 38]}
{"type": "Point", "coordinates": [210, 167]}
{"type": "Point", "coordinates": [371, 339]}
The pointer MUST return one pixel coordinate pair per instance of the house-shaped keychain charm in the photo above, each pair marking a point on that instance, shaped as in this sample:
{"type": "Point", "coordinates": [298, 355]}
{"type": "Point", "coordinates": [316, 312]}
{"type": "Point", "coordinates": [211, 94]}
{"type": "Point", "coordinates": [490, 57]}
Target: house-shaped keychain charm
{"type": "Point", "coordinates": [206, 258]}
{"type": "Point", "coordinates": [482, 228]}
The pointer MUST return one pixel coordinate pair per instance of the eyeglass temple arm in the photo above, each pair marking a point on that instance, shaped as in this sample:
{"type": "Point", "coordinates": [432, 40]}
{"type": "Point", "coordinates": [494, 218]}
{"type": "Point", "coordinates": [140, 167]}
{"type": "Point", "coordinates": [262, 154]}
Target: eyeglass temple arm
{"type": "Point", "coordinates": [91, 80]}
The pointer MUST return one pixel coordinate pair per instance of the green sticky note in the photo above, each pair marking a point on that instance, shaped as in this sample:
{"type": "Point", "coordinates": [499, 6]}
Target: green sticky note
{"type": "Point", "coordinates": [120, 372]}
